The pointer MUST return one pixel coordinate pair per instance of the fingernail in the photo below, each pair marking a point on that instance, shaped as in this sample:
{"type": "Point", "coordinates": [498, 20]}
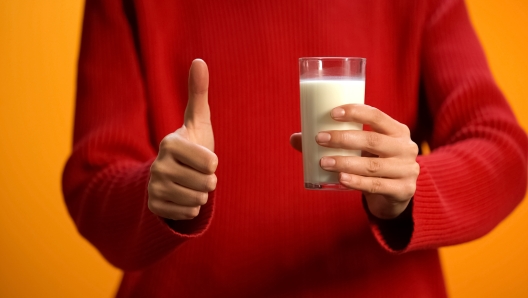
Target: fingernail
{"type": "Point", "coordinates": [337, 113]}
{"type": "Point", "coordinates": [327, 162]}
{"type": "Point", "coordinates": [323, 137]}
{"type": "Point", "coordinates": [343, 177]}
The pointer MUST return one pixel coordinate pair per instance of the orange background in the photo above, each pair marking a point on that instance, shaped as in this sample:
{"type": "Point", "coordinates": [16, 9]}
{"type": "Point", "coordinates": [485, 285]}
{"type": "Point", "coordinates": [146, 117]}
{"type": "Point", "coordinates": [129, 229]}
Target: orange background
{"type": "Point", "coordinates": [41, 253]}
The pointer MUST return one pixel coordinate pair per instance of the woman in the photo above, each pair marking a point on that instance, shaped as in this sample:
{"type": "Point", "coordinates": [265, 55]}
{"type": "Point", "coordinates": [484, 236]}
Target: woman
{"type": "Point", "coordinates": [147, 192]}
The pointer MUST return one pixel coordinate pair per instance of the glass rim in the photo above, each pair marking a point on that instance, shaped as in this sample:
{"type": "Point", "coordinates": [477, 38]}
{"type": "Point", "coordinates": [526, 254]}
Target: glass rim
{"type": "Point", "coordinates": [331, 58]}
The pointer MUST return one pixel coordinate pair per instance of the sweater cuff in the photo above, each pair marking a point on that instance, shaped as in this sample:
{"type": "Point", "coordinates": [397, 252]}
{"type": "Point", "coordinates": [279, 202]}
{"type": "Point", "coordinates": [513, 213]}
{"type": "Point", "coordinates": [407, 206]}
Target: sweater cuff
{"type": "Point", "coordinates": [395, 234]}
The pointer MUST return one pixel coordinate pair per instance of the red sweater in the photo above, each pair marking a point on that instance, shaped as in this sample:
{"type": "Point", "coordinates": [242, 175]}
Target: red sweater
{"type": "Point", "coordinates": [261, 233]}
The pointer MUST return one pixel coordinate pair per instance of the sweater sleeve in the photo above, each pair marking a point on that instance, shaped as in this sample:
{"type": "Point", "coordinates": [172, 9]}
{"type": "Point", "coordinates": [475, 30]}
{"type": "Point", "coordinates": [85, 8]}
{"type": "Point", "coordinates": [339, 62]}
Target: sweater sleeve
{"type": "Point", "coordinates": [105, 179]}
{"type": "Point", "coordinates": [476, 173]}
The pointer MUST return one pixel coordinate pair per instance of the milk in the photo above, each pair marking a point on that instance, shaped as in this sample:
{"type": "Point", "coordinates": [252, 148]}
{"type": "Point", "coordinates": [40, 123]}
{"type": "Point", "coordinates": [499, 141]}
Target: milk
{"type": "Point", "coordinates": [318, 98]}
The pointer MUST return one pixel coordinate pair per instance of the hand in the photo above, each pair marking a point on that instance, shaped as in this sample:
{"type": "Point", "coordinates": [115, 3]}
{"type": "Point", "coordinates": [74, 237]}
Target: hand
{"type": "Point", "coordinates": [387, 171]}
{"type": "Point", "coordinates": [183, 173]}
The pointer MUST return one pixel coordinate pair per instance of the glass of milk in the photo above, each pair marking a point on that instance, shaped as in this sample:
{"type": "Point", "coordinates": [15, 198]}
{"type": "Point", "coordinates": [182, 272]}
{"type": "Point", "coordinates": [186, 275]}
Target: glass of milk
{"type": "Point", "coordinates": [326, 83]}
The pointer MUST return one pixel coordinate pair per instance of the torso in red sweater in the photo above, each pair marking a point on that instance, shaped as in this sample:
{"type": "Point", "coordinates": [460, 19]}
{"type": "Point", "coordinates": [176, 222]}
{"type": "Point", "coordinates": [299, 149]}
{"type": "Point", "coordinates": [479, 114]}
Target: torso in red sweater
{"type": "Point", "coordinates": [261, 233]}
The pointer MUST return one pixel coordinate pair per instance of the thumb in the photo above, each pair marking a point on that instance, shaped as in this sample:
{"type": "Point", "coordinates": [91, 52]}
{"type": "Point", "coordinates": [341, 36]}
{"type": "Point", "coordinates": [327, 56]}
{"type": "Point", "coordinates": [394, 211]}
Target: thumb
{"type": "Point", "coordinates": [197, 118]}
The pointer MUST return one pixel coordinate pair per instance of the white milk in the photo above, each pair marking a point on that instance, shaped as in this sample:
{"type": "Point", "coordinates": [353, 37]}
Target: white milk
{"type": "Point", "coordinates": [318, 98]}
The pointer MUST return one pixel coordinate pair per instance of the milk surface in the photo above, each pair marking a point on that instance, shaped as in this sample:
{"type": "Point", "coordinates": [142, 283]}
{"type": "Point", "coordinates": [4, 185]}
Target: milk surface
{"type": "Point", "coordinates": [318, 98]}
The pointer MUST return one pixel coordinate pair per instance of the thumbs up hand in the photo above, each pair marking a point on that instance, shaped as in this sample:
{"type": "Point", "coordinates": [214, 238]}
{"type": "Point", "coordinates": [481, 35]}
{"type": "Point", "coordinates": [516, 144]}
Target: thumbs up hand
{"type": "Point", "coordinates": [183, 173]}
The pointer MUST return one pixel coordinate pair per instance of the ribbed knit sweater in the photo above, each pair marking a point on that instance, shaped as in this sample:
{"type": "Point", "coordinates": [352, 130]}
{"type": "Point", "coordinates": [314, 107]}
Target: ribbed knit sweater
{"type": "Point", "coordinates": [261, 233]}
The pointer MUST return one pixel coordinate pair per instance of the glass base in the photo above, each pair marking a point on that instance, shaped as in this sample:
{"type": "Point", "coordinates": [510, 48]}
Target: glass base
{"type": "Point", "coordinates": [325, 186]}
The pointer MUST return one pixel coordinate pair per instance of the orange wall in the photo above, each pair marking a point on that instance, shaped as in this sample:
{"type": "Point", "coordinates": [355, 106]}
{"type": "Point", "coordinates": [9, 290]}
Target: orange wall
{"type": "Point", "coordinates": [41, 253]}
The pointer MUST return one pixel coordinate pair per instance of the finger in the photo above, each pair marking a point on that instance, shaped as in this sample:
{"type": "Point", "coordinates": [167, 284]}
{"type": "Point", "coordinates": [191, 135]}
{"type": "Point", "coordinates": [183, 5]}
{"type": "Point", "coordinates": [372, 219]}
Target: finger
{"type": "Point", "coordinates": [202, 159]}
{"type": "Point", "coordinates": [197, 113]}
{"type": "Point", "coordinates": [192, 179]}
{"type": "Point", "coordinates": [189, 178]}
{"type": "Point", "coordinates": [173, 171]}
{"type": "Point", "coordinates": [373, 142]}
{"type": "Point", "coordinates": [396, 189]}
{"type": "Point", "coordinates": [367, 166]}
{"type": "Point", "coordinates": [168, 191]}
{"type": "Point", "coordinates": [296, 141]}
{"type": "Point", "coordinates": [376, 119]}
{"type": "Point", "coordinates": [172, 211]}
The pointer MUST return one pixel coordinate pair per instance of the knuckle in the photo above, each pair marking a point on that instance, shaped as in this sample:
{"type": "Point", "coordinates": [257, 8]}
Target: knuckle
{"type": "Point", "coordinates": [415, 170]}
{"type": "Point", "coordinates": [201, 198]}
{"type": "Point", "coordinates": [410, 189]}
{"type": "Point", "coordinates": [155, 168]}
{"type": "Point", "coordinates": [153, 206]}
{"type": "Point", "coordinates": [211, 163]}
{"type": "Point", "coordinates": [191, 212]}
{"type": "Point", "coordinates": [373, 140]}
{"type": "Point", "coordinates": [153, 190]}
{"type": "Point", "coordinates": [158, 170]}
{"type": "Point", "coordinates": [405, 129]}
{"type": "Point", "coordinates": [375, 186]}
{"type": "Point", "coordinates": [413, 148]}
{"type": "Point", "coordinates": [210, 182]}
{"type": "Point", "coordinates": [169, 143]}
{"type": "Point", "coordinates": [166, 142]}
{"type": "Point", "coordinates": [373, 166]}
